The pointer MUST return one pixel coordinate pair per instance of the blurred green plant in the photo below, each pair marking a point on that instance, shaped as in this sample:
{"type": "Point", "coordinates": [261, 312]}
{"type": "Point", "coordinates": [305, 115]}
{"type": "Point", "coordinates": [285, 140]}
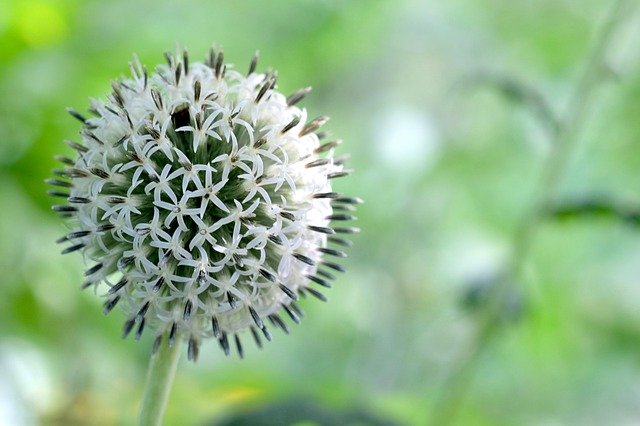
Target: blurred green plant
{"type": "Point", "coordinates": [564, 137]}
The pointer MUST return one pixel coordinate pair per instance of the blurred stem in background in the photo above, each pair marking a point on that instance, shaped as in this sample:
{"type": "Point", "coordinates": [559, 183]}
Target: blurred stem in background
{"type": "Point", "coordinates": [564, 141]}
{"type": "Point", "coordinates": [162, 370]}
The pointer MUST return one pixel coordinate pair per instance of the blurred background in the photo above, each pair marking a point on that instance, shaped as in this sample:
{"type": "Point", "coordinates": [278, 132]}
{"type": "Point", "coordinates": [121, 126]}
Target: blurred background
{"type": "Point", "coordinates": [447, 158]}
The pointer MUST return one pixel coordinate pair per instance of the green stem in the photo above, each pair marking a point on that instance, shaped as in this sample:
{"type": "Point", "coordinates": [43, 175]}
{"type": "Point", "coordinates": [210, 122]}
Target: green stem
{"type": "Point", "coordinates": [563, 145]}
{"type": "Point", "coordinates": [162, 370]}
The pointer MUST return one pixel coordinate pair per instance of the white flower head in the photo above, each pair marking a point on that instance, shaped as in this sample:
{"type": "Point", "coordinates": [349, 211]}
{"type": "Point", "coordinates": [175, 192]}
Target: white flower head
{"type": "Point", "coordinates": [202, 198]}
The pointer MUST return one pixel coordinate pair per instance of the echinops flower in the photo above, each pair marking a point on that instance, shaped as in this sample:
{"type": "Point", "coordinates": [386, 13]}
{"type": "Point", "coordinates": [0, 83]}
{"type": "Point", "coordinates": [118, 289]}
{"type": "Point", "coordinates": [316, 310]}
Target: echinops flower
{"type": "Point", "coordinates": [202, 198]}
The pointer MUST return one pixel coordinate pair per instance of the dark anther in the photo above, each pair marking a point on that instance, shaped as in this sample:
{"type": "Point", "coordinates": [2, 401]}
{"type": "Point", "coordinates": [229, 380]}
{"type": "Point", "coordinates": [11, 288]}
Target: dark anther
{"type": "Point", "coordinates": [319, 281]}
{"type": "Point", "coordinates": [277, 321]}
{"type": "Point", "coordinates": [71, 172]}
{"type": "Point", "coordinates": [157, 98]}
{"type": "Point", "coordinates": [105, 227]}
{"type": "Point", "coordinates": [333, 266]}
{"type": "Point", "coordinates": [120, 141]}
{"type": "Point", "coordinates": [99, 172]}
{"type": "Point", "coordinates": [275, 239]}
{"type": "Point", "coordinates": [143, 310]}
{"type": "Point", "coordinates": [118, 286]}
{"type": "Point", "coordinates": [215, 328]}
{"type": "Point", "coordinates": [73, 248]}
{"type": "Point", "coordinates": [134, 157]}
{"type": "Point", "coordinates": [219, 62]}
{"type": "Point", "coordinates": [77, 146]}
{"type": "Point", "coordinates": [231, 300]}
{"type": "Point", "coordinates": [256, 337]}
{"type": "Point", "coordinates": [320, 229]}
{"type": "Point", "coordinates": [254, 63]}
{"type": "Point", "coordinates": [288, 292]}
{"type": "Point", "coordinates": [339, 161]}
{"type": "Point", "coordinates": [154, 133]}
{"type": "Point", "coordinates": [115, 199]}
{"type": "Point", "coordinates": [259, 143]}
{"type": "Point", "coordinates": [158, 285]}
{"type": "Point", "coordinates": [95, 268]}
{"type": "Point", "coordinates": [322, 135]}
{"type": "Point", "coordinates": [268, 275]}
{"type": "Point", "coordinates": [314, 125]}
{"type": "Point", "coordinates": [293, 123]}
{"type": "Point", "coordinates": [297, 96]}
{"type": "Point", "coordinates": [75, 114]}
{"type": "Point", "coordinates": [58, 194]}
{"type": "Point", "coordinates": [332, 252]}
{"type": "Point", "coordinates": [185, 62]}
{"type": "Point", "coordinates": [268, 84]}
{"type": "Point", "coordinates": [60, 183]}
{"type": "Point", "coordinates": [315, 293]}
{"type": "Point", "coordinates": [192, 349]}
{"type": "Point", "coordinates": [93, 111]}
{"type": "Point", "coordinates": [64, 173]}
{"type": "Point", "coordinates": [346, 230]}
{"type": "Point", "coordinates": [295, 308]}
{"type": "Point", "coordinates": [178, 73]}
{"type": "Point", "coordinates": [287, 215]}
{"type": "Point", "coordinates": [340, 216]}
{"type": "Point", "coordinates": [93, 137]}
{"type": "Point", "coordinates": [211, 58]}
{"type": "Point", "coordinates": [172, 334]}
{"type": "Point", "coordinates": [127, 86]}
{"type": "Point", "coordinates": [304, 259]}
{"type": "Point", "coordinates": [197, 88]}
{"type": "Point", "coordinates": [139, 330]}
{"type": "Point", "coordinates": [78, 200]}
{"type": "Point", "coordinates": [168, 58]}
{"type": "Point", "coordinates": [156, 343]}
{"type": "Point", "coordinates": [327, 146]}
{"type": "Point", "coordinates": [332, 195]}
{"type": "Point", "coordinates": [343, 207]}
{"type": "Point", "coordinates": [266, 333]}
{"type": "Point", "coordinates": [336, 175]}
{"type": "Point", "coordinates": [340, 241]}
{"type": "Point", "coordinates": [187, 311]}
{"type": "Point", "coordinates": [127, 327]}
{"type": "Point", "coordinates": [111, 110]}
{"type": "Point", "coordinates": [110, 304]}
{"type": "Point", "coordinates": [347, 200]}
{"type": "Point", "coordinates": [317, 163]}
{"type": "Point", "coordinates": [224, 343]}
{"type": "Point", "coordinates": [123, 262]}
{"type": "Point", "coordinates": [87, 284]}
{"type": "Point", "coordinates": [239, 346]}
{"type": "Point", "coordinates": [76, 234]}
{"type": "Point", "coordinates": [65, 160]}
{"type": "Point", "coordinates": [325, 274]}
{"type": "Point", "coordinates": [256, 317]}
{"type": "Point", "coordinates": [294, 317]}
{"type": "Point", "coordinates": [64, 209]}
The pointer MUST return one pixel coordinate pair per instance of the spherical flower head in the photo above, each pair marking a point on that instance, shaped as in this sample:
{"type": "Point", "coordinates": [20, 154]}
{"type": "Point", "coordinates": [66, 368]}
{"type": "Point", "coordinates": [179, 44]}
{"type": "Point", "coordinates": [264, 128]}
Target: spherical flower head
{"type": "Point", "coordinates": [202, 198]}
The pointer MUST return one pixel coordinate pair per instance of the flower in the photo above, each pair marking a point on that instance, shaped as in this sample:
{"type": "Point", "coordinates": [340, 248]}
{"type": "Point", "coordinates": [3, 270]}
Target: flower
{"type": "Point", "coordinates": [202, 198]}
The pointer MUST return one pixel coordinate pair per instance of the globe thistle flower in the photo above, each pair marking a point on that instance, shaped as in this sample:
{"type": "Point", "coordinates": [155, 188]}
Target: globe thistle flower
{"type": "Point", "coordinates": [202, 198]}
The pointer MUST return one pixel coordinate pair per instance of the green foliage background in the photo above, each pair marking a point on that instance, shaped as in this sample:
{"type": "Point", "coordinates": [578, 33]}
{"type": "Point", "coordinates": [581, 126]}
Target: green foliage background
{"type": "Point", "coordinates": [447, 170]}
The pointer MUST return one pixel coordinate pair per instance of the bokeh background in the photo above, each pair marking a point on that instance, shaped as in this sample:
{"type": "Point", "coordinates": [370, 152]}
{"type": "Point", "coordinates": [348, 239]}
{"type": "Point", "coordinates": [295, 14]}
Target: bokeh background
{"type": "Point", "coordinates": [448, 166]}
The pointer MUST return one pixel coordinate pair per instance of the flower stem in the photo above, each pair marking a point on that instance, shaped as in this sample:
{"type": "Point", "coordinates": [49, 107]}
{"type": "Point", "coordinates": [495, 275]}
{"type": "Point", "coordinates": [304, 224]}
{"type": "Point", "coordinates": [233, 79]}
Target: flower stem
{"type": "Point", "coordinates": [162, 370]}
{"type": "Point", "coordinates": [564, 142]}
